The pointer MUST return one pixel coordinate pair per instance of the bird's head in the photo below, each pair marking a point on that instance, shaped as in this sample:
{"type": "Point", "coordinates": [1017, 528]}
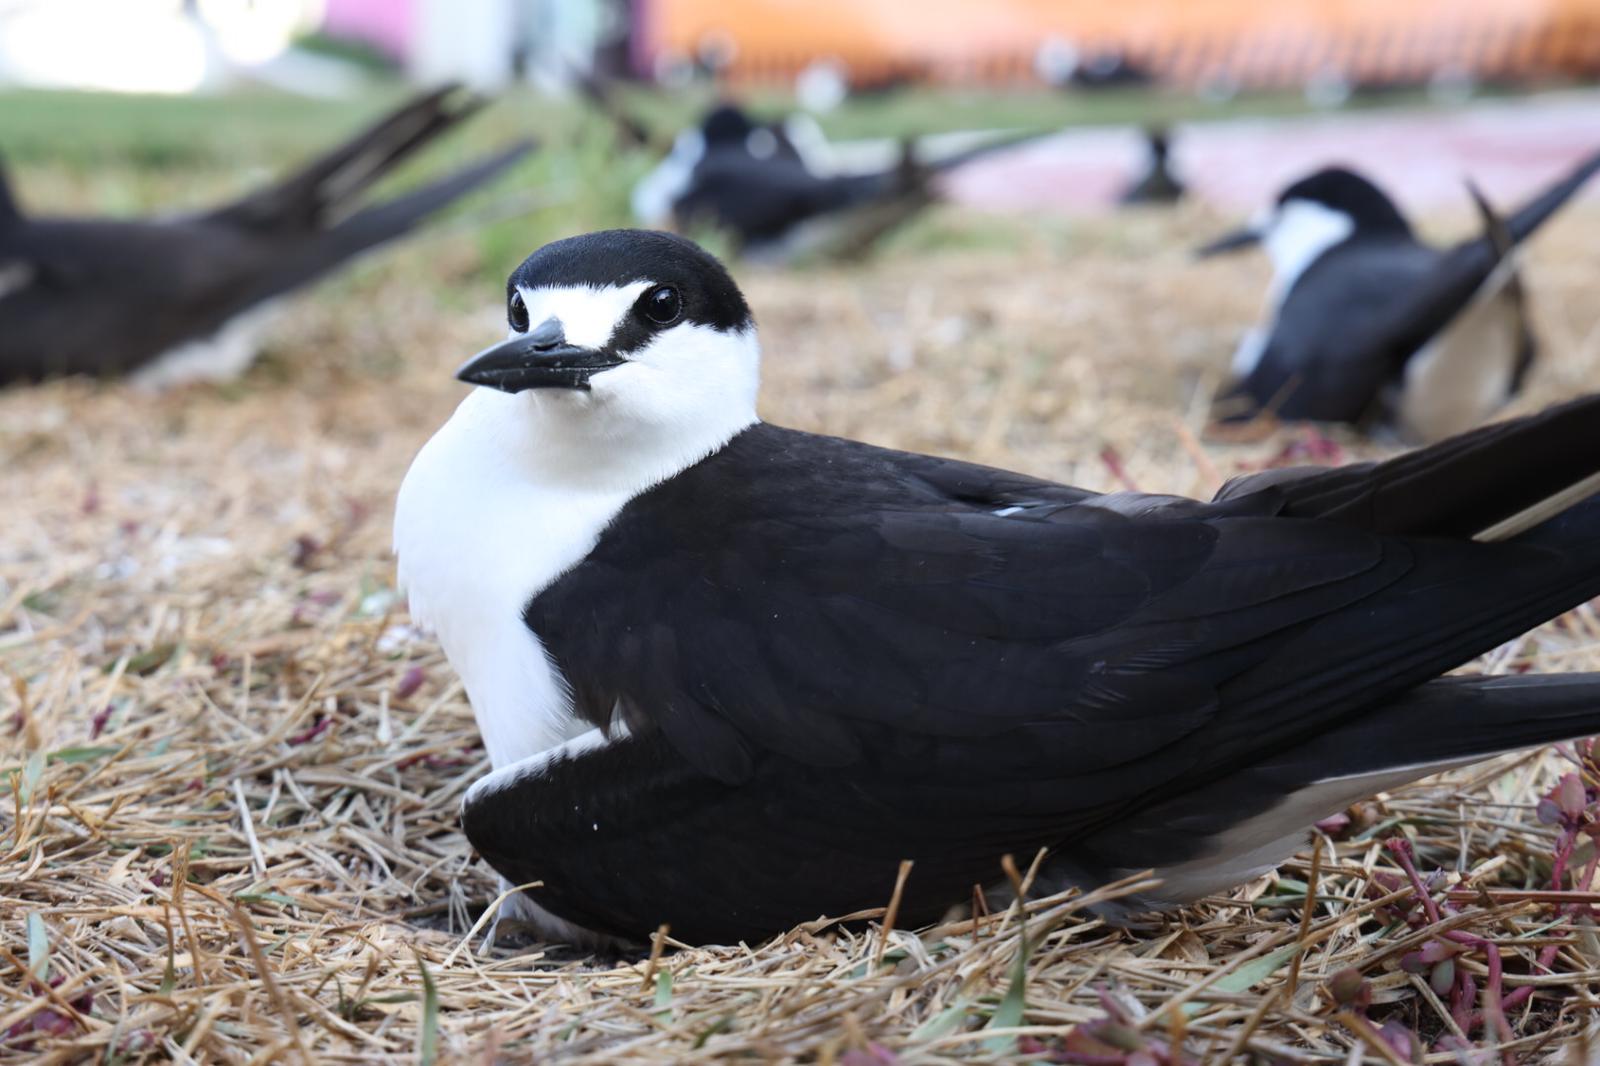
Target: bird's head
{"type": "Point", "coordinates": [1314, 213]}
{"type": "Point", "coordinates": [726, 125]}
{"type": "Point", "coordinates": [624, 336]}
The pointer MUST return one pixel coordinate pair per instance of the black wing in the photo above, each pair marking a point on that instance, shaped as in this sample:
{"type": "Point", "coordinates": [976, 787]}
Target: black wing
{"type": "Point", "coordinates": [762, 199]}
{"type": "Point", "coordinates": [1462, 272]}
{"type": "Point", "coordinates": [1330, 348]}
{"type": "Point", "coordinates": [10, 212]}
{"type": "Point", "coordinates": [1148, 638]}
{"type": "Point", "coordinates": [324, 189]}
{"type": "Point", "coordinates": [1358, 313]}
{"type": "Point", "coordinates": [103, 297]}
{"type": "Point", "coordinates": [865, 674]}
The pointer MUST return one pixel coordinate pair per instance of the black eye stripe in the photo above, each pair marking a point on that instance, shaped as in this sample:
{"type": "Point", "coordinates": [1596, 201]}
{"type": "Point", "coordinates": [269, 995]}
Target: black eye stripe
{"type": "Point", "coordinates": [618, 258]}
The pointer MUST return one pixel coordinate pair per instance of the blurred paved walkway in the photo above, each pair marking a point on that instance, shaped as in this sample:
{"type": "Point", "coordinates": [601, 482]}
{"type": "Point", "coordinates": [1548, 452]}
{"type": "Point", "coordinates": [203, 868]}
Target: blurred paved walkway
{"type": "Point", "coordinates": [1510, 147]}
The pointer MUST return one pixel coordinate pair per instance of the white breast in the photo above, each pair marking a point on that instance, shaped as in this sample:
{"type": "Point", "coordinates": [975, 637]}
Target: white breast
{"type": "Point", "coordinates": [1295, 236]}
{"type": "Point", "coordinates": [653, 198]}
{"type": "Point", "coordinates": [477, 539]}
{"type": "Point", "coordinates": [515, 490]}
{"type": "Point", "coordinates": [222, 356]}
{"type": "Point", "coordinates": [1463, 375]}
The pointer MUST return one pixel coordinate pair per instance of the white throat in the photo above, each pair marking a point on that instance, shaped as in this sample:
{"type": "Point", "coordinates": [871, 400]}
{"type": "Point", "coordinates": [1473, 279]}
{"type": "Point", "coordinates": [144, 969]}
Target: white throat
{"type": "Point", "coordinates": [657, 193]}
{"type": "Point", "coordinates": [514, 490]}
{"type": "Point", "coordinates": [1296, 236]}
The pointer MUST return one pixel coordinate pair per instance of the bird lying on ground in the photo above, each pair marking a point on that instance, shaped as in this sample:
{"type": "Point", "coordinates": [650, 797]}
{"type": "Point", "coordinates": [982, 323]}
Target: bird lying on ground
{"type": "Point", "coordinates": [182, 298]}
{"type": "Point", "coordinates": [729, 675]}
{"type": "Point", "coordinates": [1366, 324]}
{"type": "Point", "coordinates": [752, 182]}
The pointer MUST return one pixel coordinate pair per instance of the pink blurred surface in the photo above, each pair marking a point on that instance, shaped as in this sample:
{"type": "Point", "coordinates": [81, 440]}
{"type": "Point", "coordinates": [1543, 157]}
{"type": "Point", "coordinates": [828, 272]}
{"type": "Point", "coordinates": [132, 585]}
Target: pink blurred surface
{"type": "Point", "coordinates": [384, 24]}
{"type": "Point", "coordinates": [1511, 148]}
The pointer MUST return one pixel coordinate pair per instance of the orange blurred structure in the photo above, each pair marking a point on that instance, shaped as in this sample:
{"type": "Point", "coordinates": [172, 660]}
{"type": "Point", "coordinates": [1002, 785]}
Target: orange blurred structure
{"type": "Point", "coordinates": [1249, 43]}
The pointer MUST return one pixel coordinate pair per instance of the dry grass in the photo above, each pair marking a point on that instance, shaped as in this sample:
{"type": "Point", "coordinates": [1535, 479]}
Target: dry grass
{"type": "Point", "coordinates": [230, 832]}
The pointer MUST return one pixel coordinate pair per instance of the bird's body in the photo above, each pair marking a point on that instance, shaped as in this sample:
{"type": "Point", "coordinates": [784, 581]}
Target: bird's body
{"type": "Point", "coordinates": [183, 298]}
{"type": "Point", "coordinates": [754, 183]}
{"type": "Point", "coordinates": [730, 674]}
{"type": "Point", "coordinates": [1367, 325]}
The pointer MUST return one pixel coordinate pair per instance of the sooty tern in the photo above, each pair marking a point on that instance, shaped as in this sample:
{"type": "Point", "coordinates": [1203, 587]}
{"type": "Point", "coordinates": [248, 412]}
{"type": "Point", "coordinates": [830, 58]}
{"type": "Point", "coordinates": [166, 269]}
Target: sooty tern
{"type": "Point", "coordinates": [754, 182]}
{"type": "Point", "coordinates": [181, 298]}
{"type": "Point", "coordinates": [1368, 325]}
{"type": "Point", "coordinates": [729, 675]}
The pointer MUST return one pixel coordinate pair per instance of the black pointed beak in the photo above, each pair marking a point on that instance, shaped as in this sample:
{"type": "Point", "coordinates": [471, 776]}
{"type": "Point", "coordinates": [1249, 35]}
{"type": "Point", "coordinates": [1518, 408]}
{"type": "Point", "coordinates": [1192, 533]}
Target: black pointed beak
{"type": "Point", "coordinates": [528, 361]}
{"type": "Point", "coordinates": [1231, 242]}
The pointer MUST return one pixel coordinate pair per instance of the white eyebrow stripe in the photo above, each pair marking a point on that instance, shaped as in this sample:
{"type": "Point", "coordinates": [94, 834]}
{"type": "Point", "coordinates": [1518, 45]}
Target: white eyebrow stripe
{"type": "Point", "coordinates": [589, 315]}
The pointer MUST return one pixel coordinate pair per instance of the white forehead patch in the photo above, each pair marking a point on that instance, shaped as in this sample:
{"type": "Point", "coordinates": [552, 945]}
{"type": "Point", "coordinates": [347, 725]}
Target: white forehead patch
{"type": "Point", "coordinates": [588, 315]}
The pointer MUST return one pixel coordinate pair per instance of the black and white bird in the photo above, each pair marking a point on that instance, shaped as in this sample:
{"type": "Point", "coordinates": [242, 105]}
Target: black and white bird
{"type": "Point", "coordinates": [729, 675]}
{"type": "Point", "coordinates": [1366, 324]}
{"type": "Point", "coordinates": [184, 298]}
{"type": "Point", "coordinates": [757, 183]}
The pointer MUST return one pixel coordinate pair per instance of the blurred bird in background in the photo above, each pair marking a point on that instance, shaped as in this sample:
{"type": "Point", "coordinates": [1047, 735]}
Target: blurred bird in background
{"type": "Point", "coordinates": [1368, 325]}
{"type": "Point", "coordinates": [184, 298]}
{"type": "Point", "coordinates": [778, 191]}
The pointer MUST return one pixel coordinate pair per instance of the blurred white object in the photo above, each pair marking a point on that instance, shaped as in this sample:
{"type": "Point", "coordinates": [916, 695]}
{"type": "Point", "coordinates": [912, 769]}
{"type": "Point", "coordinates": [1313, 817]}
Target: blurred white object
{"type": "Point", "coordinates": [805, 133]}
{"type": "Point", "coordinates": [1451, 85]}
{"type": "Point", "coordinates": [472, 41]}
{"type": "Point", "coordinates": [258, 31]}
{"type": "Point", "coordinates": [135, 46]}
{"type": "Point", "coordinates": [1328, 88]}
{"type": "Point", "coordinates": [822, 85]}
{"type": "Point", "coordinates": [658, 190]}
{"type": "Point", "coordinates": [150, 46]}
{"type": "Point", "coordinates": [1056, 61]}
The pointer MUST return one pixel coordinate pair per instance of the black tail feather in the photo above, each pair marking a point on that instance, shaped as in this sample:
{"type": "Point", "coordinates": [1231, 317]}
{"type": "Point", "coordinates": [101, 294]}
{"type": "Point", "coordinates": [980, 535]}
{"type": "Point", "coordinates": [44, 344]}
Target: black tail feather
{"type": "Point", "coordinates": [1442, 724]}
{"type": "Point", "coordinates": [1498, 231]}
{"type": "Point", "coordinates": [1461, 274]}
{"type": "Point", "coordinates": [324, 189]}
{"type": "Point", "coordinates": [1460, 719]}
{"type": "Point", "coordinates": [601, 94]}
{"type": "Point", "coordinates": [993, 147]}
{"type": "Point", "coordinates": [1467, 486]}
{"type": "Point", "coordinates": [383, 222]}
{"type": "Point", "coordinates": [1533, 214]}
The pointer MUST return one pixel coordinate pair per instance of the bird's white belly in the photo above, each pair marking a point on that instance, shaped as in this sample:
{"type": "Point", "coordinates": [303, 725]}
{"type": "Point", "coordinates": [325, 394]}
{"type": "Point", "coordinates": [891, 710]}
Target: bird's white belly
{"type": "Point", "coordinates": [1463, 375]}
{"type": "Point", "coordinates": [223, 356]}
{"type": "Point", "coordinates": [475, 544]}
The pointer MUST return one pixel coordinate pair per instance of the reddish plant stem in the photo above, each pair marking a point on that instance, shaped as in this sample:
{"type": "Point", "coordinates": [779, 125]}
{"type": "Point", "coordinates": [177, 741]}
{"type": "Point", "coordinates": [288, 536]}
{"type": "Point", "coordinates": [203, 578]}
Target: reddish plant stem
{"type": "Point", "coordinates": [1558, 866]}
{"type": "Point", "coordinates": [1400, 848]}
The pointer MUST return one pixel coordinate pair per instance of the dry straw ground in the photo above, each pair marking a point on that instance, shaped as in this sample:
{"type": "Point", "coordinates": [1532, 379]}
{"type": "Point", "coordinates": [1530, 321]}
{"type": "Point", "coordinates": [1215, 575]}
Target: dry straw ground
{"type": "Point", "coordinates": [230, 769]}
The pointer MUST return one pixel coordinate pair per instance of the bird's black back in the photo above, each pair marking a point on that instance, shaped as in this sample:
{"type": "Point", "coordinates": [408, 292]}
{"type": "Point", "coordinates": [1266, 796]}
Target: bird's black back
{"type": "Point", "coordinates": [764, 199]}
{"type": "Point", "coordinates": [103, 296]}
{"type": "Point", "coordinates": [1333, 346]}
{"type": "Point", "coordinates": [893, 656]}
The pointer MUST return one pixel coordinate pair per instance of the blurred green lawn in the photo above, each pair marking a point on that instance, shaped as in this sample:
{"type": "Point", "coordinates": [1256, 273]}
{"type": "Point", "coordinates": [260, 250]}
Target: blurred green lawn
{"type": "Point", "coordinates": [138, 155]}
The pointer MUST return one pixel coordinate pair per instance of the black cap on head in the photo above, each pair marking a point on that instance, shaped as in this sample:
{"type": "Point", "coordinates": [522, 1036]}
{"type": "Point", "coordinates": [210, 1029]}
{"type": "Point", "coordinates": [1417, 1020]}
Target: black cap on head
{"type": "Point", "coordinates": [726, 124]}
{"type": "Point", "coordinates": [620, 257]}
{"type": "Point", "coordinates": [1346, 191]}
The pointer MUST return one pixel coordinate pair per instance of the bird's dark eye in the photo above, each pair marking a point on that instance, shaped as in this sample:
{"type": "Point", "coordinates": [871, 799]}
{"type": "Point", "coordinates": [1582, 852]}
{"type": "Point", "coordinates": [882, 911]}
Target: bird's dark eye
{"type": "Point", "coordinates": [517, 313]}
{"type": "Point", "coordinates": [661, 305]}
